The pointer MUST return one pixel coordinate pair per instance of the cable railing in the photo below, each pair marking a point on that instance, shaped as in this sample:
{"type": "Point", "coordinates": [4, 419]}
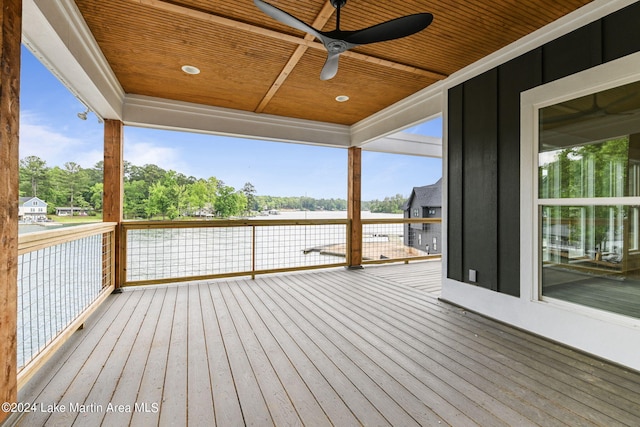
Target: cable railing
{"type": "Point", "coordinates": [157, 252]}
{"type": "Point", "coordinates": [164, 252]}
{"type": "Point", "coordinates": [63, 275]}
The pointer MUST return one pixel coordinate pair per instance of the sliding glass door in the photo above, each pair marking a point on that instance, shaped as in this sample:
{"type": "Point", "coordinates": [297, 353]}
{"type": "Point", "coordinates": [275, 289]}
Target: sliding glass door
{"type": "Point", "coordinates": [588, 200]}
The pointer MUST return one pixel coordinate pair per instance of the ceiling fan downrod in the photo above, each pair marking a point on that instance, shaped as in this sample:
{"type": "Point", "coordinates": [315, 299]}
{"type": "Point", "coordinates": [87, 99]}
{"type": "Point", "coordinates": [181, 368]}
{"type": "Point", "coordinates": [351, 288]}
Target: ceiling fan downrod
{"type": "Point", "coordinates": [338, 4]}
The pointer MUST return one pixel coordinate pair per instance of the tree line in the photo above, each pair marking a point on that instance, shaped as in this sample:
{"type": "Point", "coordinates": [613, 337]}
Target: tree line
{"type": "Point", "coordinates": [153, 192]}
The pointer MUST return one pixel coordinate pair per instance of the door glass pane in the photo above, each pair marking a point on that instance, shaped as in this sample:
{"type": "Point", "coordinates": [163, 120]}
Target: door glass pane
{"type": "Point", "coordinates": [590, 146]}
{"type": "Point", "coordinates": [590, 256]}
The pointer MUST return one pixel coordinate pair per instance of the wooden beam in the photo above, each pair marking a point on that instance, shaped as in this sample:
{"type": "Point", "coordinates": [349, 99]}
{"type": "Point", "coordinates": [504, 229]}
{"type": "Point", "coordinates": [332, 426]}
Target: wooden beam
{"type": "Point", "coordinates": [113, 195]}
{"type": "Point", "coordinates": [354, 206]}
{"type": "Point", "coordinates": [306, 42]}
{"type": "Point", "coordinates": [112, 209]}
{"type": "Point", "coordinates": [10, 36]}
{"type": "Point", "coordinates": [395, 65]}
{"type": "Point", "coordinates": [319, 22]}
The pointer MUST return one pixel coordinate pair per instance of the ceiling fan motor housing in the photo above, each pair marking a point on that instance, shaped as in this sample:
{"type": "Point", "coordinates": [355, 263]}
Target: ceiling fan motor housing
{"type": "Point", "coordinates": [337, 46]}
{"type": "Point", "coordinates": [338, 3]}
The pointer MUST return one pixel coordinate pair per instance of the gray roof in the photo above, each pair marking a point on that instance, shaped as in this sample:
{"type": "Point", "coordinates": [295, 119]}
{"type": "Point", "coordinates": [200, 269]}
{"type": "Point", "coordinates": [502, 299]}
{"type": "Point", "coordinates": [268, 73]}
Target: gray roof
{"type": "Point", "coordinates": [23, 200]}
{"type": "Point", "coordinates": [428, 195]}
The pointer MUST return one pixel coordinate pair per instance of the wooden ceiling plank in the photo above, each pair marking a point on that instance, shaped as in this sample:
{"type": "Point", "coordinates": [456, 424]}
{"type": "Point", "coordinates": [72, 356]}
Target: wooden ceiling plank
{"type": "Point", "coordinates": [197, 14]}
{"type": "Point", "coordinates": [293, 61]}
{"type": "Point", "coordinates": [319, 22]}
{"type": "Point", "coordinates": [395, 65]}
{"type": "Point", "coordinates": [205, 16]}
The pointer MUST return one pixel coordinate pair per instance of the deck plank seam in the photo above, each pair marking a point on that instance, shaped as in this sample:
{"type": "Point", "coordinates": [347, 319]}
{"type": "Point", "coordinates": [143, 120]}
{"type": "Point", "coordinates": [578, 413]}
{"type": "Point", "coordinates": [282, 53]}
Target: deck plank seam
{"type": "Point", "coordinates": [286, 335]}
{"type": "Point", "coordinates": [282, 410]}
{"type": "Point", "coordinates": [409, 364]}
{"type": "Point", "coordinates": [433, 337]}
{"type": "Point", "coordinates": [533, 360]}
{"type": "Point", "coordinates": [356, 377]}
{"type": "Point", "coordinates": [365, 361]}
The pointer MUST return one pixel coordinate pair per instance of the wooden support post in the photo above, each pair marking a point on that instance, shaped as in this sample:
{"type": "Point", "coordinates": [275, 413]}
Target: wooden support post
{"type": "Point", "coordinates": [353, 207]}
{"type": "Point", "coordinates": [113, 198]}
{"type": "Point", "coordinates": [11, 31]}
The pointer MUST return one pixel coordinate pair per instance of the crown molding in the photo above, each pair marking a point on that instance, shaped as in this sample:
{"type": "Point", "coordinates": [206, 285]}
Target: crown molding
{"type": "Point", "coordinates": [58, 27]}
{"type": "Point", "coordinates": [145, 111]}
{"type": "Point", "coordinates": [408, 144]}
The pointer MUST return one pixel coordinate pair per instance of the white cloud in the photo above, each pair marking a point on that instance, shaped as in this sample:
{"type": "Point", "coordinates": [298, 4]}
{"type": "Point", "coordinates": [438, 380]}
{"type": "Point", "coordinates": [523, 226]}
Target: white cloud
{"type": "Point", "coordinates": [59, 145]}
{"type": "Point", "coordinates": [141, 153]}
{"type": "Point", "coordinates": [56, 148]}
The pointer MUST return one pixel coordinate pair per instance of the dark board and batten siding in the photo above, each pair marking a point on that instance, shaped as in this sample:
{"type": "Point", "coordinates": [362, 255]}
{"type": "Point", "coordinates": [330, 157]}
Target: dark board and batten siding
{"type": "Point", "coordinates": [480, 179]}
{"type": "Point", "coordinates": [484, 146]}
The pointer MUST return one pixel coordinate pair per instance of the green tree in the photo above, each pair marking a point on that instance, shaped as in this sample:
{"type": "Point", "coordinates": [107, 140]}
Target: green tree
{"type": "Point", "coordinates": [212, 191]}
{"type": "Point", "coordinates": [388, 205]}
{"type": "Point", "coordinates": [230, 202]}
{"type": "Point", "coordinates": [150, 174]}
{"type": "Point", "coordinates": [73, 183]}
{"type": "Point", "coordinates": [96, 173]}
{"type": "Point", "coordinates": [197, 196]}
{"type": "Point", "coordinates": [33, 171]}
{"type": "Point", "coordinates": [175, 193]}
{"type": "Point", "coordinates": [97, 191]}
{"type": "Point", "coordinates": [159, 201]}
{"type": "Point", "coordinates": [136, 196]}
{"type": "Point", "coordinates": [249, 192]}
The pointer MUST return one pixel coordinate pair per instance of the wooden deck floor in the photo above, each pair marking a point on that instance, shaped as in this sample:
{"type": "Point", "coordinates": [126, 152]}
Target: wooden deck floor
{"type": "Point", "coordinates": [424, 275]}
{"type": "Point", "coordinates": [328, 347]}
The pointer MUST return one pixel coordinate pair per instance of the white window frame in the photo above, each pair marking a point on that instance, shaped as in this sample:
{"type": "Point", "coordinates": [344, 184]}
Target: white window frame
{"type": "Point", "coordinates": [612, 74]}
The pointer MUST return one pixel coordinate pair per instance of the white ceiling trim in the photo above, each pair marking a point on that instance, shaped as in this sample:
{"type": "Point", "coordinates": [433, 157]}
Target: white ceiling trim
{"type": "Point", "coordinates": [145, 111]}
{"type": "Point", "coordinates": [58, 36]}
{"type": "Point", "coordinates": [406, 143]}
{"type": "Point", "coordinates": [416, 108]}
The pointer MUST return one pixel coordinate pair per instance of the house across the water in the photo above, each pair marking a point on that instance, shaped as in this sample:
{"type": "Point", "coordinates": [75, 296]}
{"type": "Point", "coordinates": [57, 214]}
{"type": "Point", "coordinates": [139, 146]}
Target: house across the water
{"type": "Point", "coordinates": [71, 211]}
{"type": "Point", "coordinates": [424, 202]}
{"type": "Point", "coordinates": [32, 209]}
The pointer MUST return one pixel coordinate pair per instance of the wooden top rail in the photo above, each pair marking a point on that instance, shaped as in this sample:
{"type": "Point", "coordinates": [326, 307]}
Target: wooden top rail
{"type": "Point", "coordinates": [140, 225]}
{"type": "Point", "coordinates": [43, 239]}
{"type": "Point", "coordinates": [133, 225]}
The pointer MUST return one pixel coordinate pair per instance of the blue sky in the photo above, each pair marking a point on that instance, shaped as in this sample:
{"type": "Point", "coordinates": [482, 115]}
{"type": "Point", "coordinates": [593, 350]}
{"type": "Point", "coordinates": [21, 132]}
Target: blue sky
{"type": "Point", "coordinates": [51, 130]}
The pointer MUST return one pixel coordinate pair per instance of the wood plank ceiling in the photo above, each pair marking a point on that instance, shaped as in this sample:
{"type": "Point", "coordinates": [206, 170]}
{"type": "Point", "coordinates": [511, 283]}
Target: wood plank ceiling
{"type": "Point", "coordinates": [250, 62]}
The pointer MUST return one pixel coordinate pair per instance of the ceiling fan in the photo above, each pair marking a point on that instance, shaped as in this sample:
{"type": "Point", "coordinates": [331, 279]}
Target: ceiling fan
{"type": "Point", "coordinates": [338, 41]}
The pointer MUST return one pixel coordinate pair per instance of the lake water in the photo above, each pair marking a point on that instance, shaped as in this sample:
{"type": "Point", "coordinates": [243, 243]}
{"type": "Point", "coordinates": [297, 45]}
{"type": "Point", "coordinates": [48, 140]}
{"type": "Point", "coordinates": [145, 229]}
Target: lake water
{"type": "Point", "coordinates": [187, 252]}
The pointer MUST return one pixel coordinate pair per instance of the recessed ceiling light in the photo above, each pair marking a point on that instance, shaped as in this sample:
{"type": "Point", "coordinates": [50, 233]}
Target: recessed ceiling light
{"type": "Point", "coordinates": [342, 98]}
{"type": "Point", "coordinates": [190, 69]}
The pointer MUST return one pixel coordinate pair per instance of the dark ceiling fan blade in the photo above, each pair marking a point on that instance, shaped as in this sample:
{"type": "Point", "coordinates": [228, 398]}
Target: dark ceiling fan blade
{"type": "Point", "coordinates": [285, 18]}
{"type": "Point", "coordinates": [338, 41]}
{"type": "Point", "coordinates": [390, 30]}
{"type": "Point", "coordinates": [330, 67]}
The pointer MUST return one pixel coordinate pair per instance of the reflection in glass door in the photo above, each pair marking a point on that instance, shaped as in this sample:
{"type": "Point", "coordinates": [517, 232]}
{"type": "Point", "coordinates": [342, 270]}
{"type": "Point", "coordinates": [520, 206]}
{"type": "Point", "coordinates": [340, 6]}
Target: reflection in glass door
{"type": "Point", "coordinates": [588, 200]}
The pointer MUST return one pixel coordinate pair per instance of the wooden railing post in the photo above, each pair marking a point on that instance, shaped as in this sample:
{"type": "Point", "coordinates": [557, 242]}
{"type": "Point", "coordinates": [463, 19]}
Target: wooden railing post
{"type": "Point", "coordinates": [113, 197]}
{"type": "Point", "coordinates": [11, 28]}
{"type": "Point", "coordinates": [354, 207]}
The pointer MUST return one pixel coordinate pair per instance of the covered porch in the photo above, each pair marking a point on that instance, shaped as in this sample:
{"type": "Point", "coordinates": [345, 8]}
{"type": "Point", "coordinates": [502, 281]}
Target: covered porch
{"type": "Point", "coordinates": [370, 346]}
{"type": "Point", "coordinates": [331, 347]}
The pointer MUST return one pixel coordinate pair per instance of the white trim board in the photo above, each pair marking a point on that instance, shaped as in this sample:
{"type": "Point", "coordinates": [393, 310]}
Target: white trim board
{"type": "Point", "coordinates": [56, 33]}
